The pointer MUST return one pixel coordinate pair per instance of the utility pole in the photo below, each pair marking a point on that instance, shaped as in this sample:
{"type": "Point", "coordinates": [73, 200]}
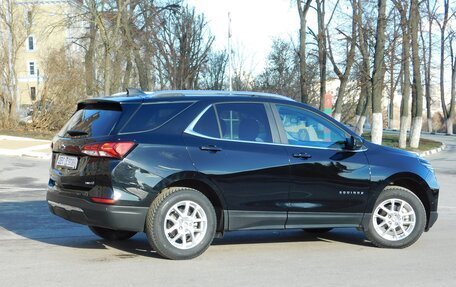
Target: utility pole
{"type": "Point", "coordinates": [230, 67]}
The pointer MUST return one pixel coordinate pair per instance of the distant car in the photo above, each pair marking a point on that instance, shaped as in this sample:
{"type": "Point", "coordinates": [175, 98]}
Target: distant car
{"type": "Point", "coordinates": [186, 166]}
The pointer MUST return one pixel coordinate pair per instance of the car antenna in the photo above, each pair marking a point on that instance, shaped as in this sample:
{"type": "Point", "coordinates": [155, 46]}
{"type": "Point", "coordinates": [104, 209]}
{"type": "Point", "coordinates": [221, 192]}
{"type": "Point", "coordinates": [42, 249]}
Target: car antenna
{"type": "Point", "coordinates": [134, 92]}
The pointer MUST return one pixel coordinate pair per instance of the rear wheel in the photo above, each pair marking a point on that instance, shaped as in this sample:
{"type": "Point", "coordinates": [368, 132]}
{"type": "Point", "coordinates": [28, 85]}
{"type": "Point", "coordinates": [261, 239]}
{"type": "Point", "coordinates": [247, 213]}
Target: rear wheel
{"type": "Point", "coordinates": [180, 223]}
{"type": "Point", "coordinates": [110, 234]}
{"type": "Point", "coordinates": [398, 219]}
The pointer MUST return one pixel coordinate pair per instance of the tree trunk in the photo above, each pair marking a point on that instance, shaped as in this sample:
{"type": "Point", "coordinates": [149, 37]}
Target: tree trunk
{"type": "Point", "coordinates": [127, 74]}
{"type": "Point", "coordinates": [321, 39]}
{"type": "Point", "coordinates": [143, 73]}
{"type": "Point", "coordinates": [417, 89]}
{"type": "Point", "coordinates": [348, 65]}
{"type": "Point", "coordinates": [378, 74]}
{"type": "Point", "coordinates": [442, 58]}
{"type": "Point", "coordinates": [303, 9]}
{"type": "Point", "coordinates": [451, 114]}
{"type": "Point", "coordinates": [89, 59]}
{"type": "Point", "coordinates": [405, 85]}
{"type": "Point", "coordinates": [107, 72]}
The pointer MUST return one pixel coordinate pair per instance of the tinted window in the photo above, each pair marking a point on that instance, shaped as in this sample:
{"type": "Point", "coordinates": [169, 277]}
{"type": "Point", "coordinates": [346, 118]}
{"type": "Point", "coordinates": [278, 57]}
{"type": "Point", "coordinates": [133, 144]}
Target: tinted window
{"type": "Point", "coordinates": [244, 121]}
{"type": "Point", "coordinates": [151, 116]}
{"type": "Point", "coordinates": [308, 129]}
{"type": "Point", "coordinates": [207, 124]}
{"type": "Point", "coordinates": [94, 122]}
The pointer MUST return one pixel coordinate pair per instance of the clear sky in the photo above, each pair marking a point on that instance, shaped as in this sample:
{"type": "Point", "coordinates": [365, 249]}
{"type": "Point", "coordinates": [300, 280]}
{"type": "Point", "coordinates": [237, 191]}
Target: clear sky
{"type": "Point", "coordinates": [254, 24]}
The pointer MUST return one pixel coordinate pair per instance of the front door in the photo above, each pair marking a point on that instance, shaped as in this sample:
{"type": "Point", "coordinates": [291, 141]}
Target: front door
{"type": "Point", "coordinates": [329, 183]}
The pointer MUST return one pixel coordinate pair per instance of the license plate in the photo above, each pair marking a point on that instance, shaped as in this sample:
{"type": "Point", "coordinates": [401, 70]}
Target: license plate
{"type": "Point", "coordinates": [67, 161]}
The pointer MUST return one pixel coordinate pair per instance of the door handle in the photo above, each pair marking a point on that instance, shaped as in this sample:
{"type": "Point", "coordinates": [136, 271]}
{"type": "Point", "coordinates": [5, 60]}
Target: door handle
{"type": "Point", "coordinates": [210, 148]}
{"type": "Point", "coordinates": [302, 155]}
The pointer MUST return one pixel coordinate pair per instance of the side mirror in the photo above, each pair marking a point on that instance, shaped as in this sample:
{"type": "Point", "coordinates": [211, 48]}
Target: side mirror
{"type": "Point", "coordinates": [353, 143]}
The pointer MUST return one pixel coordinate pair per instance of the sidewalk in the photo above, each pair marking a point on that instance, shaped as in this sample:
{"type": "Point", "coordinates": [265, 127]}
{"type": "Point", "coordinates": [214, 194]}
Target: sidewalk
{"type": "Point", "coordinates": [28, 147]}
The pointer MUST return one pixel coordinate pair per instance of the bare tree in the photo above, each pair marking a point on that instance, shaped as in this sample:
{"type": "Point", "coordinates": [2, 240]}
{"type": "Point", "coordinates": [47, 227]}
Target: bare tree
{"type": "Point", "coordinates": [281, 74]}
{"type": "Point", "coordinates": [417, 89]}
{"type": "Point", "coordinates": [402, 7]}
{"type": "Point", "coordinates": [214, 71]}
{"type": "Point", "coordinates": [182, 44]}
{"type": "Point", "coordinates": [452, 109]}
{"type": "Point", "coordinates": [430, 11]}
{"type": "Point", "coordinates": [443, 23]}
{"type": "Point", "coordinates": [350, 59]}
{"type": "Point", "coordinates": [303, 8]}
{"type": "Point", "coordinates": [321, 43]}
{"type": "Point", "coordinates": [391, 65]}
{"type": "Point", "coordinates": [13, 33]}
{"type": "Point", "coordinates": [378, 75]}
{"type": "Point", "coordinates": [365, 97]}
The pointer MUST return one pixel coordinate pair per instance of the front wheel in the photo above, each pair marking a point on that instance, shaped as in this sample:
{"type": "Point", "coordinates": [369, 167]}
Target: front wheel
{"type": "Point", "coordinates": [398, 219]}
{"type": "Point", "coordinates": [181, 223]}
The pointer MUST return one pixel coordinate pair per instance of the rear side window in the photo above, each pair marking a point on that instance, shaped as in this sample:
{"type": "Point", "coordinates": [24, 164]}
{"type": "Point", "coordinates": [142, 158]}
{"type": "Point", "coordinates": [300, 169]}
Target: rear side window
{"type": "Point", "coordinates": [91, 122]}
{"type": "Point", "coordinates": [152, 116]}
{"type": "Point", "coordinates": [235, 121]}
{"type": "Point", "coordinates": [244, 121]}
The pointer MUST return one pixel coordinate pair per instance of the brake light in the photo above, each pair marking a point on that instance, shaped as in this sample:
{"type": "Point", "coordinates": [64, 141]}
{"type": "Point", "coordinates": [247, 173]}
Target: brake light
{"type": "Point", "coordinates": [108, 149]}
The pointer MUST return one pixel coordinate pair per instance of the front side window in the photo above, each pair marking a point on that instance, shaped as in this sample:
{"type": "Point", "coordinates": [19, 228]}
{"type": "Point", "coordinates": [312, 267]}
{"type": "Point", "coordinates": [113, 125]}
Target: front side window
{"type": "Point", "coordinates": [304, 128]}
{"type": "Point", "coordinates": [235, 121]}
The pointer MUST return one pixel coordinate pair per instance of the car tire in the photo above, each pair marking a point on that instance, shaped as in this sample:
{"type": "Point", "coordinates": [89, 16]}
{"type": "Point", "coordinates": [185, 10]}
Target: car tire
{"type": "Point", "coordinates": [180, 223]}
{"type": "Point", "coordinates": [110, 234]}
{"type": "Point", "coordinates": [398, 219]}
{"type": "Point", "coordinates": [317, 230]}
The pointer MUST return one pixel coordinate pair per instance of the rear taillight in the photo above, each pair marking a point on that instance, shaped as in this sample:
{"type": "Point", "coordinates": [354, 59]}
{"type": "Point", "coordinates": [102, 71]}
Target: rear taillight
{"type": "Point", "coordinates": [108, 149]}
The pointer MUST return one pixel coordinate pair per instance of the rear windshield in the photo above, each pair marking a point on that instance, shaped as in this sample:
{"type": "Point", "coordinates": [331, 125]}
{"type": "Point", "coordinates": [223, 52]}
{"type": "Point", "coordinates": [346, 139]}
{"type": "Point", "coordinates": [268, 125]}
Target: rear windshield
{"type": "Point", "coordinates": [152, 116]}
{"type": "Point", "coordinates": [90, 123]}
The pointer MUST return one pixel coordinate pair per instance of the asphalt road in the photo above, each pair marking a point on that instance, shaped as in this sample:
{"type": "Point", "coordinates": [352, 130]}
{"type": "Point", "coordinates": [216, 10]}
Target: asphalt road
{"type": "Point", "coordinates": [40, 249]}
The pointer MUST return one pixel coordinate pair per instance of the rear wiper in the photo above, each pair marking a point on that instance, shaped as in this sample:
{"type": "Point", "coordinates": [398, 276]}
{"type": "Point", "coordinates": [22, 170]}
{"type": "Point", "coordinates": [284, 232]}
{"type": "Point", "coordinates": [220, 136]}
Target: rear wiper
{"type": "Point", "coordinates": [75, 133]}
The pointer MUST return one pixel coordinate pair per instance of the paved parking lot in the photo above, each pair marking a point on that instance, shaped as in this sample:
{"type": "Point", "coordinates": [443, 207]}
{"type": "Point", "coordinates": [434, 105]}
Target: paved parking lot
{"type": "Point", "coordinates": [39, 249]}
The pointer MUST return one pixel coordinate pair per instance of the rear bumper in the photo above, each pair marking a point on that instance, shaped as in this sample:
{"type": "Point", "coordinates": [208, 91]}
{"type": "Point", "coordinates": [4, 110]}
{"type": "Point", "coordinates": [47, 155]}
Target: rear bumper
{"type": "Point", "coordinates": [128, 218]}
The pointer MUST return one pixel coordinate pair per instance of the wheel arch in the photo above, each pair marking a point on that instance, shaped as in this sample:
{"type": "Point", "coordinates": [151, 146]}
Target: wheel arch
{"type": "Point", "coordinates": [410, 181]}
{"type": "Point", "coordinates": [203, 185]}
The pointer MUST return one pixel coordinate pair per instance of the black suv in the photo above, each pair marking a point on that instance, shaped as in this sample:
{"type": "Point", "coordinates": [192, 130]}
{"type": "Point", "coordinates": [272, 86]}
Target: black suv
{"type": "Point", "coordinates": [186, 166]}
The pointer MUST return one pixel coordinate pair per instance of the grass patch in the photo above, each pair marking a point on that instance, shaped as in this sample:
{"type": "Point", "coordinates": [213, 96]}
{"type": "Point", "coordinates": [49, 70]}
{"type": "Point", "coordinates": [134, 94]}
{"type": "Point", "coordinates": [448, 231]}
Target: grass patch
{"type": "Point", "coordinates": [393, 141]}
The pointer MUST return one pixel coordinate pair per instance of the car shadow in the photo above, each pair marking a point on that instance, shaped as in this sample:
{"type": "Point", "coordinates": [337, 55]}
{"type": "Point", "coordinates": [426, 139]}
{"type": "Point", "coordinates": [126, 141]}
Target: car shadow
{"type": "Point", "coordinates": [33, 220]}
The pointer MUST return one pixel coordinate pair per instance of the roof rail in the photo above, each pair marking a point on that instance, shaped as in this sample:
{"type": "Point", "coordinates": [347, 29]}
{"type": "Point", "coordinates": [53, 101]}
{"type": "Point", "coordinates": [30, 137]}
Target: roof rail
{"type": "Point", "coordinates": [134, 92]}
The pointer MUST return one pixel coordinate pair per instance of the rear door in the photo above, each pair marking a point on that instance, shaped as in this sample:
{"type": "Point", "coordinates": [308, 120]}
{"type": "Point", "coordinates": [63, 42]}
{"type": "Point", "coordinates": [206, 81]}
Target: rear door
{"type": "Point", "coordinates": [233, 144]}
{"type": "Point", "coordinates": [329, 182]}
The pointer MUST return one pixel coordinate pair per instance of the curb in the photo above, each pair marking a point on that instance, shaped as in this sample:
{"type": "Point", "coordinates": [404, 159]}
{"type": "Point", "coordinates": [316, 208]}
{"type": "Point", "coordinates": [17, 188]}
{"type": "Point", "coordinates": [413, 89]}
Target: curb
{"type": "Point", "coordinates": [432, 151]}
